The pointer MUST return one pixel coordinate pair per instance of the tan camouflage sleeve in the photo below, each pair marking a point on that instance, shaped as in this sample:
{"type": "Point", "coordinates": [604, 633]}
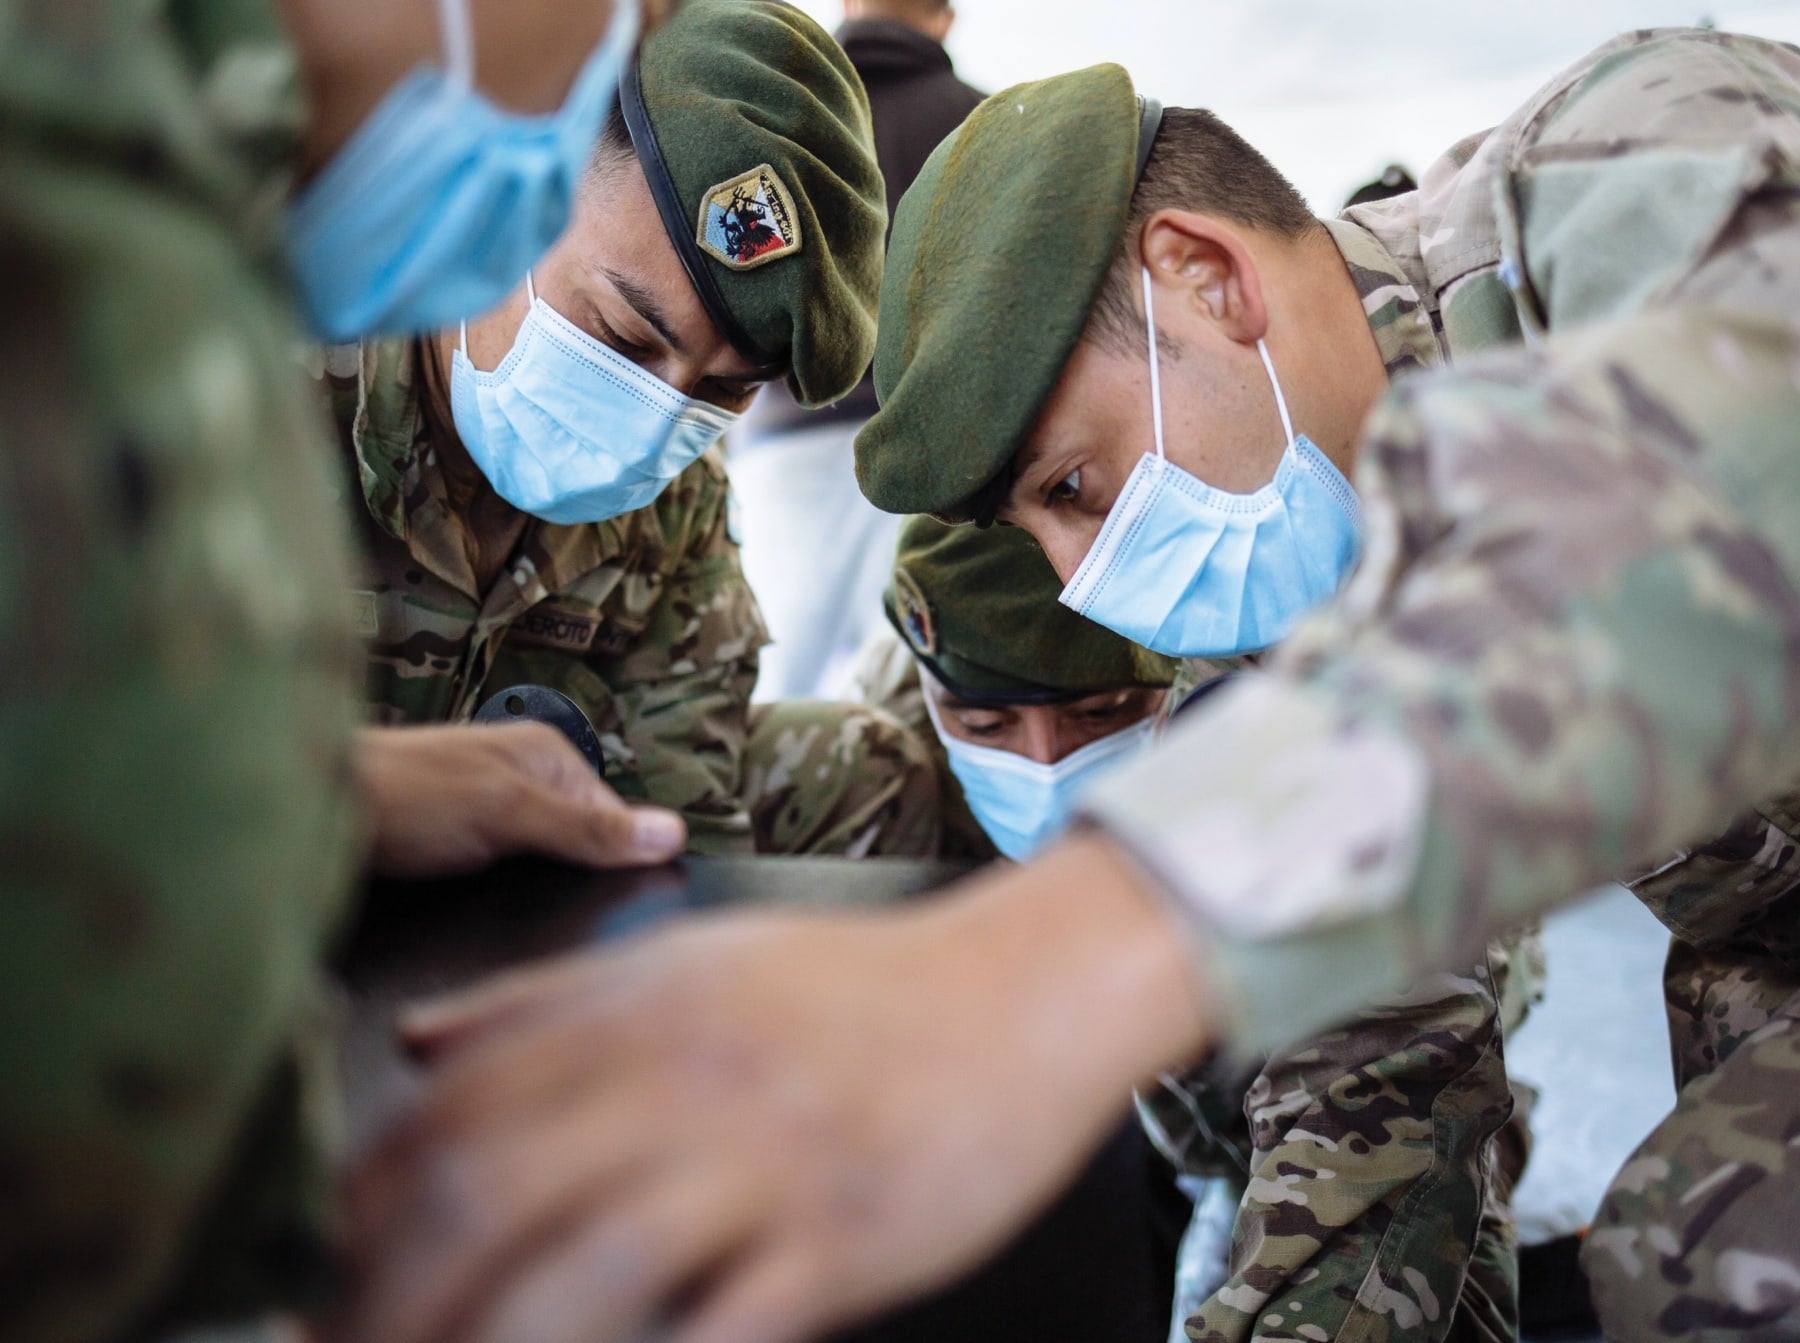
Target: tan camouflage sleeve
{"type": "Point", "coordinates": [683, 688]}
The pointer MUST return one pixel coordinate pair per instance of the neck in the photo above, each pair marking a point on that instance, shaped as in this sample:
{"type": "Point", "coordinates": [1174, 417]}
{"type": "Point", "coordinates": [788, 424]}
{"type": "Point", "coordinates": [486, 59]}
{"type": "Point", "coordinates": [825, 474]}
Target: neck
{"type": "Point", "coordinates": [933, 25]}
{"type": "Point", "coordinates": [460, 472]}
{"type": "Point", "coordinates": [1337, 374]}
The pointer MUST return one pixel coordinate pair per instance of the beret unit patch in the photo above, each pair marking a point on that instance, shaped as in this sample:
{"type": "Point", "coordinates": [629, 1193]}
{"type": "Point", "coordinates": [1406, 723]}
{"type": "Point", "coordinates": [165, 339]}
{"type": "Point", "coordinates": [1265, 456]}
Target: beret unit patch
{"type": "Point", "coordinates": [749, 221]}
{"type": "Point", "coordinates": [914, 612]}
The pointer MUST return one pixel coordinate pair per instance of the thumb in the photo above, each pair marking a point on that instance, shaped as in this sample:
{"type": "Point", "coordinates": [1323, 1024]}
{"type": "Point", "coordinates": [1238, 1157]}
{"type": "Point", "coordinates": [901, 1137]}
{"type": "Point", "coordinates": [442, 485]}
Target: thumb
{"type": "Point", "coordinates": [592, 826]}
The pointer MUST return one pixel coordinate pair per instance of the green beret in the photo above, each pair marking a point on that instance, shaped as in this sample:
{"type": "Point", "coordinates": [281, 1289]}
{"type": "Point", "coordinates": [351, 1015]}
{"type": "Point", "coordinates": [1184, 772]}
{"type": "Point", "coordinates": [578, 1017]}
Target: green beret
{"type": "Point", "coordinates": [753, 131]}
{"type": "Point", "coordinates": [977, 605]}
{"type": "Point", "coordinates": [998, 253]}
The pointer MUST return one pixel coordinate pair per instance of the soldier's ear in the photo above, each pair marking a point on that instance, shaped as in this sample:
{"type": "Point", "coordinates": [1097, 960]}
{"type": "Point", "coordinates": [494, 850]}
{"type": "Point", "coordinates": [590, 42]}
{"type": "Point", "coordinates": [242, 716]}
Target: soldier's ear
{"type": "Point", "coordinates": [1204, 269]}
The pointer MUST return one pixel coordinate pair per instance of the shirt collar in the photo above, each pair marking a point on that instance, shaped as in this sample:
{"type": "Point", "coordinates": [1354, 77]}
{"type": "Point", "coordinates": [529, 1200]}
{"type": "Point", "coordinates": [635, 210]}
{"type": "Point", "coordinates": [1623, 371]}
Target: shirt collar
{"type": "Point", "coordinates": [388, 431]}
{"type": "Point", "coordinates": [1401, 324]}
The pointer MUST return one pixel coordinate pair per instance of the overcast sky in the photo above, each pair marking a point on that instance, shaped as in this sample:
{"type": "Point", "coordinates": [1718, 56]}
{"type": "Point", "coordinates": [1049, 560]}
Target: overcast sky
{"type": "Point", "coordinates": [1331, 90]}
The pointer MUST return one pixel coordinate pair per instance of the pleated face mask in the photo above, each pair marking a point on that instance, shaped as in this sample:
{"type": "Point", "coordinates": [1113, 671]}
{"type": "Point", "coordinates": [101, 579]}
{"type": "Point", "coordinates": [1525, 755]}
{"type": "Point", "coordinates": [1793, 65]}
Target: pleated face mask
{"type": "Point", "coordinates": [1192, 571]}
{"type": "Point", "coordinates": [1021, 803]}
{"type": "Point", "coordinates": [441, 200]}
{"type": "Point", "coordinates": [568, 429]}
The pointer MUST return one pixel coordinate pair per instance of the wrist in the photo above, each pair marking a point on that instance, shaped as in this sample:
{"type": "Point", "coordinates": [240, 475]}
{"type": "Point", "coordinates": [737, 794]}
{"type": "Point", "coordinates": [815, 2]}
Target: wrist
{"type": "Point", "coordinates": [1099, 973]}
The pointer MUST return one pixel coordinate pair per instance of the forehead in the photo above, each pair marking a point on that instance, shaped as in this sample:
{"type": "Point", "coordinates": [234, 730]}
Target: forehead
{"type": "Point", "coordinates": [1062, 706]}
{"type": "Point", "coordinates": [1095, 388]}
{"type": "Point", "coordinates": [617, 229]}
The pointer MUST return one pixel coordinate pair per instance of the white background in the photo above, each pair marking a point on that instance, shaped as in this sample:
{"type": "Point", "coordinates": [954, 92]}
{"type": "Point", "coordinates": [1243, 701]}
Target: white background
{"type": "Point", "coordinates": [1331, 90]}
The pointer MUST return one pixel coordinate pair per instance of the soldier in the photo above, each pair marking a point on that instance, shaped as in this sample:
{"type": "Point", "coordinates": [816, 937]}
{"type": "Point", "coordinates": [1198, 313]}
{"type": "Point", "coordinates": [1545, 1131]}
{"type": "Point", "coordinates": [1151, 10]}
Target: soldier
{"type": "Point", "coordinates": [1029, 703]}
{"type": "Point", "coordinates": [976, 660]}
{"type": "Point", "coordinates": [1567, 645]}
{"type": "Point", "coordinates": [543, 497]}
{"type": "Point", "coordinates": [180, 786]}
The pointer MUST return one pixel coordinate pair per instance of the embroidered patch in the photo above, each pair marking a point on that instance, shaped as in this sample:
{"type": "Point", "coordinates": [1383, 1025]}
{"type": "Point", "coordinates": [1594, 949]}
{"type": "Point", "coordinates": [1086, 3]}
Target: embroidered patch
{"type": "Point", "coordinates": [749, 221]}
{"type": "Point", "coordinates": [365, 614]}
{"type": "Point", "coordinates": [915, 614]}
{"type": "Point", "coordinates": [551, 627]}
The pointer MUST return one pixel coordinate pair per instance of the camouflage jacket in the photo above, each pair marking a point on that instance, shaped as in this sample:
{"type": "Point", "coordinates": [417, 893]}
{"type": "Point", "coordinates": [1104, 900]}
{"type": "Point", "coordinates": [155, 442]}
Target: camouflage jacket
{"type": "Point", "coordinates": [177, 681]}
{"type": "Point", "coordinates": [645, 621]}
{"type": "Point", "coordinates": [887, 676]}
{"type": "Point", "coordinates": [1573, 641]}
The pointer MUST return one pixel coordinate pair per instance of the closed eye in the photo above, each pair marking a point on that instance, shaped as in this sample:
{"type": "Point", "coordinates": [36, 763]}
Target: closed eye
{"type": "Point", "coordinates": [630, 349]}
{"type": "Point", "coordinates": [981, 727]}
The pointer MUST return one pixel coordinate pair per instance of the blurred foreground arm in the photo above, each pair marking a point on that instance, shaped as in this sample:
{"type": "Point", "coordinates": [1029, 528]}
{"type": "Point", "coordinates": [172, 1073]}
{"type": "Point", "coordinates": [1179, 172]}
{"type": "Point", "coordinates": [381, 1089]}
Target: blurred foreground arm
{"type": "Point", "coordinates": [725, 1116]}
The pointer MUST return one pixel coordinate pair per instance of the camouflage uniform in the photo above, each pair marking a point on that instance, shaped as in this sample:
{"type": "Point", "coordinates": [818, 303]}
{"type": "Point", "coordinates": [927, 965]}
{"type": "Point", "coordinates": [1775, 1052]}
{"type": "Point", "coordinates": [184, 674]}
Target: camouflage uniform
{"type": "Point", "coordinates": [177, 681]}
{"type": "Point", "coordinates": [1362, 1160]}
{"type": "Point", "coordinates": [645, 621]}
{"type": "Point", "coordinates": [887, 678]}
{"type": "Point", "coordinates": [1573, 641]}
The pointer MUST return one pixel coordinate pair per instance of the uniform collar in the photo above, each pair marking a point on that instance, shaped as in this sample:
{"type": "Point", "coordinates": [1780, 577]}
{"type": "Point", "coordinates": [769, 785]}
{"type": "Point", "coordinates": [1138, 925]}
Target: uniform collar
{"type": "Point", "coordinates": [1402, 325]}
{"type": "Point", "coordinates": [388, 431]}
{"type": "Point", "coordinates": [403, 484]}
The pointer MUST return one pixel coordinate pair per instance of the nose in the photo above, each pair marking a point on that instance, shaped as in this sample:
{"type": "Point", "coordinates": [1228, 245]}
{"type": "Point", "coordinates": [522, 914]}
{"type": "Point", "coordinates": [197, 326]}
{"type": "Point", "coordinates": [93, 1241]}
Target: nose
{"type": "Point", "coordinates": [681, 375]}
{"type": "Point", "coordinates": [1041, 742]}
{"type": "Point", "coordinates": [1066, 550]}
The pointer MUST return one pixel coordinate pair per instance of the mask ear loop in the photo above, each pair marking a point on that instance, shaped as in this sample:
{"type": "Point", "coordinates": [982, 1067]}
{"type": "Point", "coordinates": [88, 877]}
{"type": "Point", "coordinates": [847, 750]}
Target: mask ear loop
{"type": "Point", "coordinates": [530, 289]}
{"type": "Point", "coordinates": [1287, 425]}
{"type": "Point", "coordinates": [459, 44]}
{"type": "Point", "coordinates": [1156, 406]}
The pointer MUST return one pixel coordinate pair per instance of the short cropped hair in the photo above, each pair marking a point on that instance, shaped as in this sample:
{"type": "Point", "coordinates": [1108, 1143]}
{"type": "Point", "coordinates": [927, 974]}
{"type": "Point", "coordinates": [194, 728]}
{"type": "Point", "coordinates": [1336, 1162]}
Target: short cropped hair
{"type": "Point", "coordinates": [1200, 164]}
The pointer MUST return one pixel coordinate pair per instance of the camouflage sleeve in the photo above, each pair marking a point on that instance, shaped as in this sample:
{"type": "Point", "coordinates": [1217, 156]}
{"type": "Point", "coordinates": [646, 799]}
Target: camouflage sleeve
{"type": "Point", "coordinates": [887, 676]}
{"type": "Point", "coordinates": [682, 688]}
{"type": "Point", "coordinates": [177, 693]}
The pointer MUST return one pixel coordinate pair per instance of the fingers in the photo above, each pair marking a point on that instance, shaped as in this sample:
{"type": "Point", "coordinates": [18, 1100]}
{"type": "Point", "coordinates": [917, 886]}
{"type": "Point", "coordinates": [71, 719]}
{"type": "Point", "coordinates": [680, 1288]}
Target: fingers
{"type": "Point", "coordinates": [773, 1298]}
{"type": "Point", "coordinates": [441, 1218]}
{"type": "Point", "coordinates": [613, 1277]}
{"type": "Point", "coordinates": [568, 813]}
{"type": "Point", "coordinates": [539, 752]}
{"type": "Point", "coordinates": [455, 1021]}
{"type": "Point", "coordinates": [601, 832]}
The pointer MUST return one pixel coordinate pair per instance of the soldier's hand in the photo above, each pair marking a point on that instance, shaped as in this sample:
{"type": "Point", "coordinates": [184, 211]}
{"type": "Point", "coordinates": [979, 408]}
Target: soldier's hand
{"type": "Point", "coordinates": [452, 799]}
{"type": "Point", "coordinates": [758, 1127]}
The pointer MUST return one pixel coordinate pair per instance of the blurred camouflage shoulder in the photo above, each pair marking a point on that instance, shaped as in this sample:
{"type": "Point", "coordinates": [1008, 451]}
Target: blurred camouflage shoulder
{"type": "Point", "coordinates": [176, 686]}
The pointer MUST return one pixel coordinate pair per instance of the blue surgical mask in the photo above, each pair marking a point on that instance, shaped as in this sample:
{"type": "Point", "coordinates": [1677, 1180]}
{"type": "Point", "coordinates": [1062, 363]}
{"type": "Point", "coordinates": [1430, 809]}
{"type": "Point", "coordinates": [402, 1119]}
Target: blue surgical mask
{"type": "Point", "coordinates": [568, 429]}
{"type": "Point", "coordinates": [1023, 804]}
{"type": "Point", "coordinates": [441, 201]}
{"type": "Point", "coordinates": [1193, 571]}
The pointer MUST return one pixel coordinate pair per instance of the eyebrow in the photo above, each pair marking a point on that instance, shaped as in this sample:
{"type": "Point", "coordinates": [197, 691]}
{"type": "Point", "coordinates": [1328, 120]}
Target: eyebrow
{"type": "Point", "coordinates": [1009, 506]}
{"type": "Point", "coordinates": [950, 701]}
{"type": "Point", "coordinates": [646, 306]}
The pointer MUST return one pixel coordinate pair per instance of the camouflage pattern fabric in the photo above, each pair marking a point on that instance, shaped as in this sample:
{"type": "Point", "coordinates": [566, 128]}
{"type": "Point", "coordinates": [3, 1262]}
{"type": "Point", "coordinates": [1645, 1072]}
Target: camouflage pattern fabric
{"type": "Point", "coordinates": [1695, 1237]}
{"type": "Point", "coordinates": [1364, 1159]}
{"type": "Point", "coordinates": [887, 679]}
{"type": "Point", "coordinates": [177, 681]}
{"type": "Point", "coordinates": [645, 621]}
{"type": "Point", "coordinates": [1573, 642]}
{"type": "Point", "coordinates": [844, 779]}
